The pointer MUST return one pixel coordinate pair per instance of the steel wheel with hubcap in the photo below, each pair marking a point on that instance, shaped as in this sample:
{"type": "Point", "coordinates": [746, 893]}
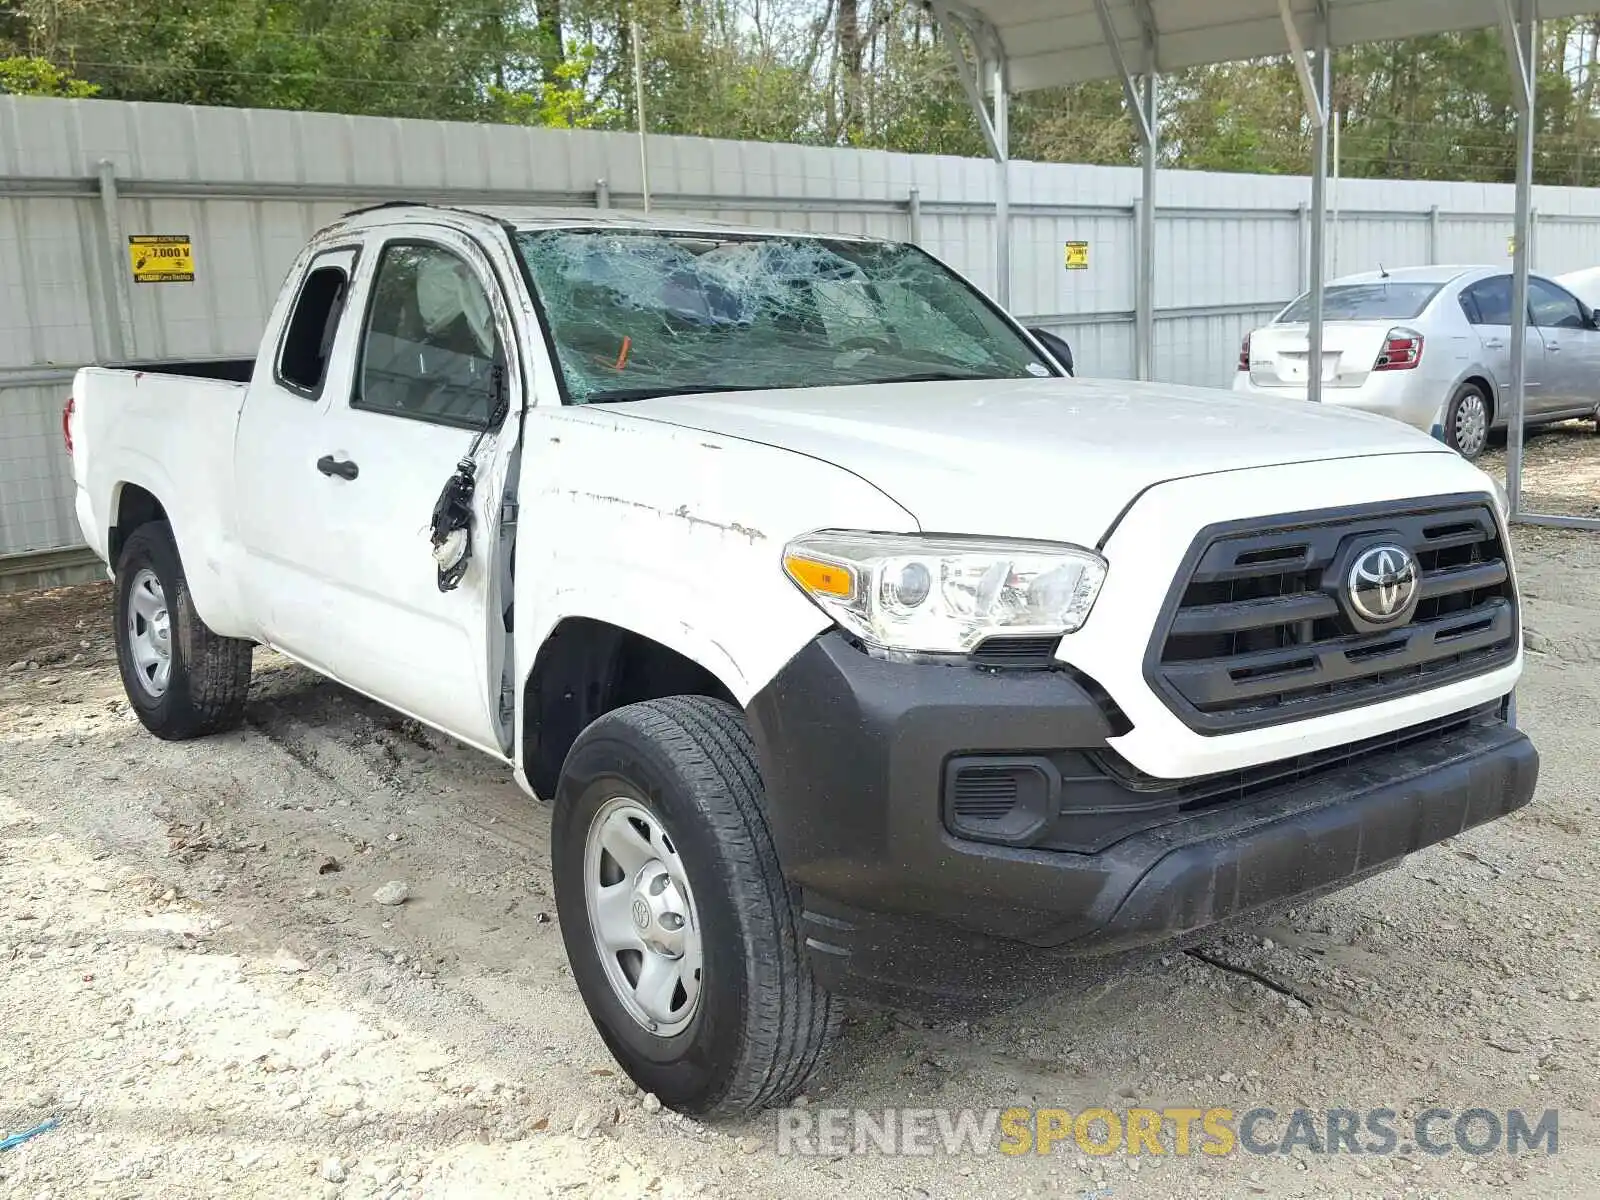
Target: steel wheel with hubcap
{"type": "Point", "coordinates": [150, 633]}
{"type": "Point", "coordinates": [642, 916]}
{"type": "Point", "coordinates": [682, 934]}
{"type": "Point", "coordinates": [1467, 421]}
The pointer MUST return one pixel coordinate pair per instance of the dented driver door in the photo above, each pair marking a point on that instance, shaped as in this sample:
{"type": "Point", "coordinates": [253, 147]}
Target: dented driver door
{"type": "Point", "coordinates": [434, 367]}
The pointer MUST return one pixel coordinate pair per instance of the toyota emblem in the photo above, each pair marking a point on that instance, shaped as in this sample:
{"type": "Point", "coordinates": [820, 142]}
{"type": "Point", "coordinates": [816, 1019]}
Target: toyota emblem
{"type": "Point", "coordinates": [1383, 584]}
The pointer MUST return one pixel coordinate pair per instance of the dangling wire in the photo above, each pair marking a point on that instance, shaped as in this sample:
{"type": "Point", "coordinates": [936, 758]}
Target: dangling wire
{"type": "Point", "coordinates": [452, 512]}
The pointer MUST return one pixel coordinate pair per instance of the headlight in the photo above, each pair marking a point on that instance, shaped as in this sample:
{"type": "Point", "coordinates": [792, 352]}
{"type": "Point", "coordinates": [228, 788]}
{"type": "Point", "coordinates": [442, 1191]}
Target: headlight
{"type": "Point", "coordinates": [944, 595]}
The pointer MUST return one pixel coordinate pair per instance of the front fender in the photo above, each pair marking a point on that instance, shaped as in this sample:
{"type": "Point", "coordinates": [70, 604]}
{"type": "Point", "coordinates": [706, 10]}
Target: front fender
{"type": "Point", "coordinates": [678, 536]}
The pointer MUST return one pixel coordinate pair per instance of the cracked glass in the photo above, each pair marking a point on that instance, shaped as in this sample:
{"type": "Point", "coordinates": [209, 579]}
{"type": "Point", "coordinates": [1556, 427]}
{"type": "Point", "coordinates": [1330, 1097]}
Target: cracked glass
{"type": "Point", "coordinates": [635, 314]}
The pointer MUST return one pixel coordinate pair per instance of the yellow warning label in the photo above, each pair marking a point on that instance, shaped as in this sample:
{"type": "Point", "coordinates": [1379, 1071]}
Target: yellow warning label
{"type": "Point", "coordinates": [161, 258]}
{"type": "Point", "coordinates": [1077, 256]}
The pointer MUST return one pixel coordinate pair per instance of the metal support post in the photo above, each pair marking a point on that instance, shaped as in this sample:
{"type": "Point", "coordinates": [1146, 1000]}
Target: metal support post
{"type": "Point", "coordinates": [602, 194]}
{"type": "Point", "coordinates": [1142, 97]}
{"type": "Point", "coordinates": [914, 215]}
{"type": "Point", "coordinates": [119, 313]}
{"type": "Point", "coordinates": [1519, 30]}
{"type": "Point", "coordinates": [1433, 235]}
{"type": "Point", "coordinates": [1315, 84]}
{"type": "Point", "coordinates": [991, 73]}
{"type": "Point", "coordinates": [1001, 85]}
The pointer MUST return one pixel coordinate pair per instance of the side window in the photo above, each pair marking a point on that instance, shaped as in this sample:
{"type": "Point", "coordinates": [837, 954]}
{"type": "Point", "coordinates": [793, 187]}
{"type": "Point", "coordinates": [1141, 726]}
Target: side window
{"type": "Point", "coordinates": [1552, 307]}
{"type": "Point", "coordinates": [308, 337]}
{"type": "Point", "coordinates": [430, 348]}
{"type": "Point", "coordinates": [1489, 302]}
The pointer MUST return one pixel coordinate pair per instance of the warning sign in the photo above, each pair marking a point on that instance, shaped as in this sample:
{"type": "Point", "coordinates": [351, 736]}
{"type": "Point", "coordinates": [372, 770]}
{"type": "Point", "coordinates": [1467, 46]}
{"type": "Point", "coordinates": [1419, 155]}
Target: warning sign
{"type": "Point", "coordinates": [161, 258]}
{"type": "Point", "coordinates": [1077, 256]}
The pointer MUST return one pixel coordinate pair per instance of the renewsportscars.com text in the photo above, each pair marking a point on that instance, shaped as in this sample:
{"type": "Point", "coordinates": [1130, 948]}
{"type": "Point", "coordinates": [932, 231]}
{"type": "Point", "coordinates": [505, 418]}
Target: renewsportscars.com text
{"type": "Point", "coordinates": [1180, 1132]}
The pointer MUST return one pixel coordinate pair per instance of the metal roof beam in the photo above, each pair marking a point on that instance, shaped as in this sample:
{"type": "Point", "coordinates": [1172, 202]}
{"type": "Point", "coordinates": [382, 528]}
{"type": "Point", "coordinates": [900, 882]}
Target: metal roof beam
{"type": "Point", "coordinates": [1130, 91]}
{"type": "Point", "coordinates": [953, 24]}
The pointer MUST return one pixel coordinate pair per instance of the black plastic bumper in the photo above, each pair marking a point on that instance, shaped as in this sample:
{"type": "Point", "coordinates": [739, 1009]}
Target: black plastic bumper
{"type": "Point", "coordinates": [853, 751]}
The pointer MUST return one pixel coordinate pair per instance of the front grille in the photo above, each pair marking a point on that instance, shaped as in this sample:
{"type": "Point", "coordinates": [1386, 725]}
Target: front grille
{"type": "Point", "coordinates": [1260, 630]}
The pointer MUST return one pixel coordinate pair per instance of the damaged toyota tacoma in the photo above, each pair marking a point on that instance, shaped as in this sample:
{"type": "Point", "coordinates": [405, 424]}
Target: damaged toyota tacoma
{"type": "Point", "coordinates": [860, 648]}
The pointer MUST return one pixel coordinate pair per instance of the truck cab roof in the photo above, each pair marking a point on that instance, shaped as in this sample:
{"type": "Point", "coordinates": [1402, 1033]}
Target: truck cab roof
{"type": "Point", "coordinates": [542, 217]}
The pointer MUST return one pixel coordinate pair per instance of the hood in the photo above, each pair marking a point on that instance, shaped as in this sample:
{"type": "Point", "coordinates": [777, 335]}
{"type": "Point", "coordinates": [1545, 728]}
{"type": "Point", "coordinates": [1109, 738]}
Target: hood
{"type": "Point", "coordinates": [1054, 459]}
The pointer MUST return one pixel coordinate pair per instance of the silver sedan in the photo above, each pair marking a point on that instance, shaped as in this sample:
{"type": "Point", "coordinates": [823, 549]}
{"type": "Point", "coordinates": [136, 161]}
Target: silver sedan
{"type": "Point", "coordinates": [1431, 346]}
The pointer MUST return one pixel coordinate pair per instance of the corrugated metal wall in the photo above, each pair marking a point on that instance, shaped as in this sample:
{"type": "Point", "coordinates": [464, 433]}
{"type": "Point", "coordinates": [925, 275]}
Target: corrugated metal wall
{"type": "Point", "coordinates": [78, 177]}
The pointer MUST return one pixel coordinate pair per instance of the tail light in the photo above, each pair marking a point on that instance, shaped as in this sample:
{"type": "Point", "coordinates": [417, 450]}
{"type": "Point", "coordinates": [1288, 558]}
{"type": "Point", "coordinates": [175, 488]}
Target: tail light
{"type": "Point", "coordinates": [1244, 353]}
{"type": "Point", "coordinates": [1402, 351]}
{"type": "Point", "coordinates": [67, 410]}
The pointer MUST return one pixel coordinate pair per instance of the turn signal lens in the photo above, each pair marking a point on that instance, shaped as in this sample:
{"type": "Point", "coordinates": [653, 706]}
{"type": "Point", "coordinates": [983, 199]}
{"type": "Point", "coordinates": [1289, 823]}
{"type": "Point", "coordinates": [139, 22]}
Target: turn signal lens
{"type": "Point", "coordinates": [1244, 354]}
{"type": "Point", "coordinates": [67, 410]}
{"type": "Point", "coordinates": [820, 578]}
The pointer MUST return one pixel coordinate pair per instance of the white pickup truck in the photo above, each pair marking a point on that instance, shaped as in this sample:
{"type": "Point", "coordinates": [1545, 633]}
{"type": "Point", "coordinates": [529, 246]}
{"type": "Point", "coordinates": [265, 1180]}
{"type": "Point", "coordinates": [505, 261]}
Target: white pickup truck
{"type": "Point", "coordinates": [861, 651]}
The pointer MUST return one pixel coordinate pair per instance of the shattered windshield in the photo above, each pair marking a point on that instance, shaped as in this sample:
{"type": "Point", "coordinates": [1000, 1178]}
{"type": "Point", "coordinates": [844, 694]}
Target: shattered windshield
{"type": "Point", "coordinates": [640, 314]}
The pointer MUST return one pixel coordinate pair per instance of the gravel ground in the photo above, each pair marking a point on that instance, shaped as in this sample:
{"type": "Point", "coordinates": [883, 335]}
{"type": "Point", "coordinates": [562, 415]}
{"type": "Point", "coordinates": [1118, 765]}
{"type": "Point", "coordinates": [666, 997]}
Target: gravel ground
{"type": "Point", "coordinates": [200, 988]}
{"type": "Point", "coordinates": [1560, 468]}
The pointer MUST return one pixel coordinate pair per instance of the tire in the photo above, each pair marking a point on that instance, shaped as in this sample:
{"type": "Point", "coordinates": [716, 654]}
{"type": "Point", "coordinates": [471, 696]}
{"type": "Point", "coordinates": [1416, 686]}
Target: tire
{"type": "Point", "coordinates": [1467, 419]}
{"type": "Point", "coordinates": [198, 687]}
{"type": "Point", "coordinates": [760, 1023]}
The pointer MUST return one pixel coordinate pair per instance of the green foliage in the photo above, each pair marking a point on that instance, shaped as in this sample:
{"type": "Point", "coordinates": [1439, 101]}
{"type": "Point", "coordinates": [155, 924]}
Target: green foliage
{"type": "Point", "coordinates": [870, 73]}
{"type": "Point", "coordinates": [26, 76]}
{"type": "Point", "coordinates": [564, 102]}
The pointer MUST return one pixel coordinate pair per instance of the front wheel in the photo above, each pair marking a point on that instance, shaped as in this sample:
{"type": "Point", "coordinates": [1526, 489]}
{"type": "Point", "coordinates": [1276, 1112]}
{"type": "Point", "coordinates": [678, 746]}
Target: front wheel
{"type": "Point", "coordinates": [1466, 421]}
{"type": "Point", "coordinates": [681, 932]}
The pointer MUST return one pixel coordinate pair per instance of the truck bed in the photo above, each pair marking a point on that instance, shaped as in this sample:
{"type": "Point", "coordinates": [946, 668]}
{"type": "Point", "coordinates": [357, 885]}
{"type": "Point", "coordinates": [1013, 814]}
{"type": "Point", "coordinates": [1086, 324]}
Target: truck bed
{"type": "Point", "coordinates": [226, 370]}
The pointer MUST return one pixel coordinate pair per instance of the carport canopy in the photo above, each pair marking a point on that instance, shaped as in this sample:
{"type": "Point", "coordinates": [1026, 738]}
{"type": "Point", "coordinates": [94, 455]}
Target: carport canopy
{"type": "Point", "coordinates": [1021, 45]}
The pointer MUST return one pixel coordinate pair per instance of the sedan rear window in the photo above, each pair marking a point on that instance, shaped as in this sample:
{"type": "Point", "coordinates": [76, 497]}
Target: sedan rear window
{"type": "Point", "coordinates": [1380, 301]}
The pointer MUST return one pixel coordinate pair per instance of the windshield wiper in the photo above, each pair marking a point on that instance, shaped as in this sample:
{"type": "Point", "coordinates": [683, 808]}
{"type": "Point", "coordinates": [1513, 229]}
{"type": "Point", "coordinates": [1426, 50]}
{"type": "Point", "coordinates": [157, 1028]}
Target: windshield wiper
{"type": "Point", "coordinates": [939, 377]}
{"type": "Point", "coordinates": [622, 395]}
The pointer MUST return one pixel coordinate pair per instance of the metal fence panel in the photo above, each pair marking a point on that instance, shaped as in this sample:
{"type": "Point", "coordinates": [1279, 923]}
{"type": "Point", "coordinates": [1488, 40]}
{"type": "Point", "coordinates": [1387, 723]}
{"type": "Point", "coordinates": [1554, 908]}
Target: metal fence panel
{"type": "Point", "coordinates": [250, 186]}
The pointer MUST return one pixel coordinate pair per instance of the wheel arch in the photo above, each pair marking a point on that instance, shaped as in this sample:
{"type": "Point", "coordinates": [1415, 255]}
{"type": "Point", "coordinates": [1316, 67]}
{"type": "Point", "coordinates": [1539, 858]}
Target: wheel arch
{"type": "Point", "coordinates": [586, 667]}
{"type": "Point", "coordinates": [132, 505]}
{"type": "Point", "coordinates": [1485, 382]}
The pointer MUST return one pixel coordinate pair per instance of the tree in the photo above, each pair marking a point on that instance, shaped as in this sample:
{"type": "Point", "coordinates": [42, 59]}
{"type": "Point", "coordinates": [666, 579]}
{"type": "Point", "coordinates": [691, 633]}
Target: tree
{"type": "Point", "coordinates": [24, 76]}
{"type": "Point", "coordinates": [872, 73]}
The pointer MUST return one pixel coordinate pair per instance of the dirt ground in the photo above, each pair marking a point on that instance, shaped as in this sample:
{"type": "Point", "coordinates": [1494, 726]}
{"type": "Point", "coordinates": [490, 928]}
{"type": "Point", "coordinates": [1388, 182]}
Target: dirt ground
{"type": "Point", "coordinates": [1560, 469]}
{"type": "Point", "coordinates": [199, 987]}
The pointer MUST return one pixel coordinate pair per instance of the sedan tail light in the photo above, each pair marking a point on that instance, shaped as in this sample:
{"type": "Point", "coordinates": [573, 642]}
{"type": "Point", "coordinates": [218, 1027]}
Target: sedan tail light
{"type": "Point", "coordinates": [1402, 351]}
{"type": "Point", "coordinates": [1244, 353]}
{"type": "Point", "coordinates": [67, 410]}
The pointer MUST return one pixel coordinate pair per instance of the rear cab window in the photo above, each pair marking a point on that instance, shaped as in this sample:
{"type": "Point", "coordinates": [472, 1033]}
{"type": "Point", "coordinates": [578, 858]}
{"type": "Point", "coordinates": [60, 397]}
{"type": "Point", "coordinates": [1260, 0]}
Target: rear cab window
{"type": "Point", "coordinates": [307, 344]}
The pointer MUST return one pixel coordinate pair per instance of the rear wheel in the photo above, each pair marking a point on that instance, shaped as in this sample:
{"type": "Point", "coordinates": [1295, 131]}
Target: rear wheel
{"type": "Point", "coordinates": [1466, 421]}
{"type": "Point", "coordinates": [681, 932]}
{"type": "Point", "coordinates": [182, 680]}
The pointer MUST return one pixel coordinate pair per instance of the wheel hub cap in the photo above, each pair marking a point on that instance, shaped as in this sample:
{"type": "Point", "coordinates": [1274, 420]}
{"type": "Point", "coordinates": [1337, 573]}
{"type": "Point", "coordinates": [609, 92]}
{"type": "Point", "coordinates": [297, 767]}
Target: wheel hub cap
{"type": "Point", "coordinates": [642, 916]}
{"type": "Point", "coordinates": [1471, 424]}
{"type": "Point", "coordinates": [150, 633]}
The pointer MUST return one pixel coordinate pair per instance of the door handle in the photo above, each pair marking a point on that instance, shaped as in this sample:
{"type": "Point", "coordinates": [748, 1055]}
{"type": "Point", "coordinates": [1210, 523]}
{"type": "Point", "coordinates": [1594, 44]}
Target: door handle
{"type": "Point", "coordinates": [329, 465]}
{"type": "Point", "coordinates": [1553, 347]}
{"type": "Point", "coordinates": [1494, 344]}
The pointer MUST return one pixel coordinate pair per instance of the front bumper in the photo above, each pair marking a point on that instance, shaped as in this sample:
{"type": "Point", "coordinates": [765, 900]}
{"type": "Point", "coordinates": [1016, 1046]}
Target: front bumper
{"type": "Point", "coordinates": [854, 752]}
